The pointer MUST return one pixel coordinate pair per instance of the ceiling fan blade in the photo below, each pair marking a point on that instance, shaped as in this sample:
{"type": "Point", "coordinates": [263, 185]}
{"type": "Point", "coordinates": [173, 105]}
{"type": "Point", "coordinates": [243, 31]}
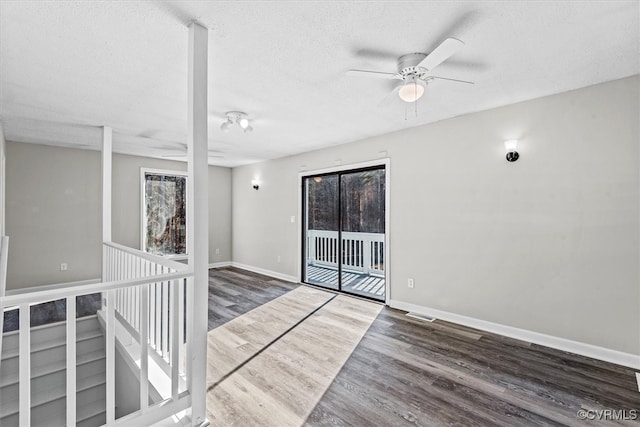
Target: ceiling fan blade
{"type": "Point", "coordinates": [440, 54]}
{"type": "Point", "coordinates": [390, 97]}
{"type": "Point", "coordinates": [212, 154]}
{"type": "Point", "coordinates": [378, 74]}
{"type": "Point", "coordinates": [185, 157]}
{"type": "Point", "coordinates": [453, 80]}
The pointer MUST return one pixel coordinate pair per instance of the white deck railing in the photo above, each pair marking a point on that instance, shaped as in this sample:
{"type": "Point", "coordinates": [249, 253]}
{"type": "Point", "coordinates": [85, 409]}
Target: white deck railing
{"type": "Point", "coordinates": [148, 295]}
{"type": "Point", "coordinates": [361, 252]}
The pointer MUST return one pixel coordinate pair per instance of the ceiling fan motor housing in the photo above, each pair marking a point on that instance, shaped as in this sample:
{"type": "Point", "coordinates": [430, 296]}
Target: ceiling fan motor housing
{"type": "Point", "coordinates": [407, 64]}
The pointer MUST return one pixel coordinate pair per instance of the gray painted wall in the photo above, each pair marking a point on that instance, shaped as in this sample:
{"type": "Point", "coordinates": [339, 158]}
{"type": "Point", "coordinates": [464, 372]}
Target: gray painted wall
{"type": "Point", "coordinates": [548, 244]}
{"type": "Point", "coordinates": [53, 214]}
{"type": "Point", "coordinates": [54, 211]}
{"type": "Point", "coordinates": [126, 203]}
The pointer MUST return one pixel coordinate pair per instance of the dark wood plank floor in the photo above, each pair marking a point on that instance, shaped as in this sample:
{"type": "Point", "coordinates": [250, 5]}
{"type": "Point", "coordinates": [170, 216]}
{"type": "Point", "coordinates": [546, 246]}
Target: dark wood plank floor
{"type": "Point", "coordinates": [408, 372]}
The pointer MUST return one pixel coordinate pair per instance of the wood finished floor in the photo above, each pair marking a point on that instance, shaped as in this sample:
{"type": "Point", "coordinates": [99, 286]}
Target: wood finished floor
{"type": "Point", "coordinates": [259, 376]}
{"type": "Point", "coordinates": [405, 372]}
{"type": "Point", "coordinates": [233, 292]}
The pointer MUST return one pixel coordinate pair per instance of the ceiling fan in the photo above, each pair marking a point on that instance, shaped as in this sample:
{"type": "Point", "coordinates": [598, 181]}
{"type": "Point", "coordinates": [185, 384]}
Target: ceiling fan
{"type": "Point", "coordinates": [414, 70]}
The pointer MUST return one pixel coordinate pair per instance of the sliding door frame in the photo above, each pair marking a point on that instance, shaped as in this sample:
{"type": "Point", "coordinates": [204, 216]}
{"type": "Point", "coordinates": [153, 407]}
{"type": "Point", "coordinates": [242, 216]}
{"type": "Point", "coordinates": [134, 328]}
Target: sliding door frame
{"type": "Point", "coordinates": [355, 167]}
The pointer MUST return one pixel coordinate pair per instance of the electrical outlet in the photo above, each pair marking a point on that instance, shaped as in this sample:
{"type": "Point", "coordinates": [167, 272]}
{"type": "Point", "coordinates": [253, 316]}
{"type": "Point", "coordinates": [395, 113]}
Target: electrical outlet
{"type": "Point", "coordinates": [293, 218]}
{"type": "Point", "coordinates": [411, 283]}
{"type": "Point", "coordinates": [217, 251]}
{"type": "Point", "coordinates": [63, 266]}
{"type": "Point", "coordinates": [279, 258]}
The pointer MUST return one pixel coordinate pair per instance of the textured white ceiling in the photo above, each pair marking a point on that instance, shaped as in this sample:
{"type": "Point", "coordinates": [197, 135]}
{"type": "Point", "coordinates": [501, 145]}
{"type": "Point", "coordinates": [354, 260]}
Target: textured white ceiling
{"type": "Point", "coordinates": [67, 68]}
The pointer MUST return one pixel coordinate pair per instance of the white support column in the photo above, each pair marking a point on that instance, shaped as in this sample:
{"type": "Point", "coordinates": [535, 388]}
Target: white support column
{"type": "Point", "coordinates": [107, 154]}
{"type": "Point", "coordinates": [3, 168]}
{"type": "Point", "coordinates": [197, 218]}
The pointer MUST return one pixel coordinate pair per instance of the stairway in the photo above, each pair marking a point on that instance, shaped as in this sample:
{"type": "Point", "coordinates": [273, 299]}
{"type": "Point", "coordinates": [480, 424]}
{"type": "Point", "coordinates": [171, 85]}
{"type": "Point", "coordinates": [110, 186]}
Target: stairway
{"type": "Point", "coordinates": [48, 375]}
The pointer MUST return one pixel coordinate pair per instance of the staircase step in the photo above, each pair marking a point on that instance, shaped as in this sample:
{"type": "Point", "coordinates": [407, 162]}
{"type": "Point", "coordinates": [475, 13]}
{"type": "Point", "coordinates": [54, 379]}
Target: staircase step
{"type": "Point", "coordinates": [43, 356]}
{"type": "Point", "coordinates": [90, 415]}
{"type": "Point", "coordinates": [94, 417]}
{"type": "Point", "coordinates": [55, 392]}
{"type": "Point", "coordinates": [51, 333]}
{"type": "Point", "coordinates": [51, 344]}
{"type": "Point", "coordinates": [47, 369]}
{"type": "Point", "coordinates": [48, 375]}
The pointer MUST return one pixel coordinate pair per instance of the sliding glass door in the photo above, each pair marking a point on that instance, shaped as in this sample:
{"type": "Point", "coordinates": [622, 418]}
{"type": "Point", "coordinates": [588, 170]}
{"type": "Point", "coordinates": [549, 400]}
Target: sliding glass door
{"type": "Point", "coordinates": [344, 231]}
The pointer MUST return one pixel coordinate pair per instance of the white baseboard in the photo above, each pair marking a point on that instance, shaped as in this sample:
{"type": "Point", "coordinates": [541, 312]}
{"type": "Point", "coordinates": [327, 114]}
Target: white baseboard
{"type": "Point", "coordinates": [583, 349]}
{"type": "Point", "coordinates": [266, 272]}
{"type": "Point", "coordinates": [220, 264]}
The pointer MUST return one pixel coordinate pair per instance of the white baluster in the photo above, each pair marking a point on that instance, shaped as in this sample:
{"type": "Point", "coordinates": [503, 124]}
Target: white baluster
{"type": "Point", "coordinates": [181, 323]}
{"type": "Point", "coordinates": [24, 365]}
{"type": "Point", "coordinates": [71, 361]}
{"type": "Point", "coordinates": [175, 343]}
{"type": "Point", "coordinates": [144, 347]}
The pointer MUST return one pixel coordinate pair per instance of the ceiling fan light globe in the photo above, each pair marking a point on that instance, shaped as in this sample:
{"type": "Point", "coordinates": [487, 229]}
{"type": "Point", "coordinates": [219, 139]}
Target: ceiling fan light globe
{"type": "Point", "coordinates": [244, 123]}
{"type": "Point", "coordinates": [411, 92]}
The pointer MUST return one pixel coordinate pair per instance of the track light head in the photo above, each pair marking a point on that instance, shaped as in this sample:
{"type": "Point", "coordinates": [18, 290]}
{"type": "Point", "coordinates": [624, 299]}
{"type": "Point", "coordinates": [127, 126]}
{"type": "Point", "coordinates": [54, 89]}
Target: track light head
{"type": "Point", "coordinates": [226, 126]}
{"type": "Point", "coordinates": [239, 118]}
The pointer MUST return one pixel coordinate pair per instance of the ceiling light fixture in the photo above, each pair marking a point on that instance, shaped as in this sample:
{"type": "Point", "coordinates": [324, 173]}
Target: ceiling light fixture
{"type": "Point", "coordinates": [239, 118]}
{"type": "Point", "coordinates": [412, 90]}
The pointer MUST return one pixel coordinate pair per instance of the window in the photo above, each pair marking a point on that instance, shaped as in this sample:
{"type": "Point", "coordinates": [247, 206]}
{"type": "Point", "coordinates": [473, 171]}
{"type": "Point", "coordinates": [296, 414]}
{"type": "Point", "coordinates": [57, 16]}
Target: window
{"type": "Point", "coordinates": [164, 212]}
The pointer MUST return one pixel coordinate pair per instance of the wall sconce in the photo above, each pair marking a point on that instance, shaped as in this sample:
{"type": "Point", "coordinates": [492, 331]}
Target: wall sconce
{"type": "Point", "coordinates": [255, 184]}
{"type": "Point", "coordinates": [510, 147]}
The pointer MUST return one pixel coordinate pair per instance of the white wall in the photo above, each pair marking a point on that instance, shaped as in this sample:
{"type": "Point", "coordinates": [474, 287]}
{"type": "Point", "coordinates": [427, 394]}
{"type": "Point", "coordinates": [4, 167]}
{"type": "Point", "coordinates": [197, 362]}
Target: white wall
{"type": "Point", "coordinates": [548, 244]}
{"type": "Point", "coordinates": [54, 211]}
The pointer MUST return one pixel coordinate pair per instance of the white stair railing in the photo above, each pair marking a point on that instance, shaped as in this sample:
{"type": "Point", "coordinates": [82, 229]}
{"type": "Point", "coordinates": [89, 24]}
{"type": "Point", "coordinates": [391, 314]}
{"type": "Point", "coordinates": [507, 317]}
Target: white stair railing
{"type": "Point", "coordinates": [361, 252]}
{"type": "Point", "coordinates": [147, 312]}
{"type": "Point", "coordinates": [127, 301]}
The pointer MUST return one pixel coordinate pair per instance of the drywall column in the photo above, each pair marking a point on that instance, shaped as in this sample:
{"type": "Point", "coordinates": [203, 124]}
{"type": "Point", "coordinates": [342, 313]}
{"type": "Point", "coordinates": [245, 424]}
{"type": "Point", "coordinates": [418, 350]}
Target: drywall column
{"type": "Point", "coordinates": [110, 344]}
{"type": "Point", "coordinates": [2, 180]}
{"type": "Point", "coordinates": [107, 155]}
{"type": "Point", "coordinates": [197, 219]}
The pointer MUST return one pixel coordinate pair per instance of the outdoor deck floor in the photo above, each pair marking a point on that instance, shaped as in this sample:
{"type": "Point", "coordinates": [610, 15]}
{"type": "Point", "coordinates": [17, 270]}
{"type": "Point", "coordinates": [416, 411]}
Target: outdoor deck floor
{"type": "Point", "coordinates": [355, 283]}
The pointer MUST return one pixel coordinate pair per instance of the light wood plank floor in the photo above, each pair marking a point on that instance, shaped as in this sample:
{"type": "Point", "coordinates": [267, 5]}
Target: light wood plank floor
{"type": "Point", "coordinates": [258, 376]}
{"type": "Point", "coordinates": [233, 292]}
{"type": "Point", "coordinates": [405, 372]}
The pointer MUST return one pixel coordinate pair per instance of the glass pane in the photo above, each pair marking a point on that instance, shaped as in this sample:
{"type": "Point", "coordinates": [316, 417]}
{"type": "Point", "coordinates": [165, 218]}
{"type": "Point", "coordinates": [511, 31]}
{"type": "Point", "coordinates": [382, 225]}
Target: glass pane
{"type": "Point", "coordinates": [321, 233]}
{"type": "Point", "coordinates": [363, 221]}
{"type": "Point", "coordinates": [165, 214]}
